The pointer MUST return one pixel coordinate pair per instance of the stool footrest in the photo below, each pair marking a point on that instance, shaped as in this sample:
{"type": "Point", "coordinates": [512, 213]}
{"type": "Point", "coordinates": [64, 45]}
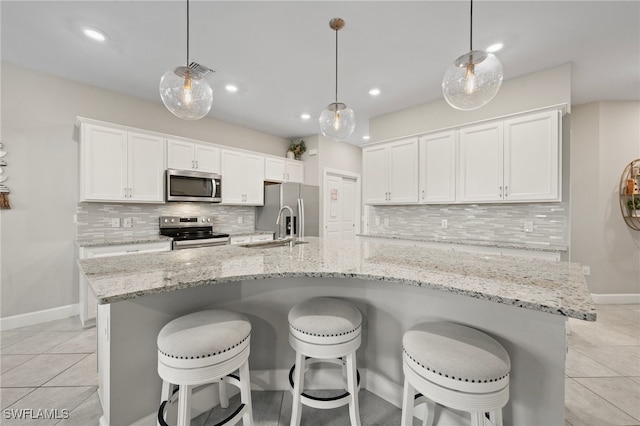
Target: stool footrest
{"type": "Point", "coordinates": [232, 379]}
{"type": "Point", "coordinates": [323, 402]}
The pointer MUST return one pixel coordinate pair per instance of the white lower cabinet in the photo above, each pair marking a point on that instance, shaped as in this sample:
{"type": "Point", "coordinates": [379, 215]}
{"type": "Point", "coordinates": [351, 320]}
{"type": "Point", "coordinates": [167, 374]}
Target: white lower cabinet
{"type": "Point", "coordinates": [104, 360]}
{"type": "Point", "coordinates": [245, 239]}
{"type": "Point", "coordinates": [88, 302]}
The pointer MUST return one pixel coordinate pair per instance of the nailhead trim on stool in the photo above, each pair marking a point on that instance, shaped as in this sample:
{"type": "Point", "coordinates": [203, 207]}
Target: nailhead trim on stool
{"type": "Point", "coordinates": [325, 329]}
{"type": "Point", "coordinates": [457, 367]}
{"type": "Point", "coordinates": [205, 347]}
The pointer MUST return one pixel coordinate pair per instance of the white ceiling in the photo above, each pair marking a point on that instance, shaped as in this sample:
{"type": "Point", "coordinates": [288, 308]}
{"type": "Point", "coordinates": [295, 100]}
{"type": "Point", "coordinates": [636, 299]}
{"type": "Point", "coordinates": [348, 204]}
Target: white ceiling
{"type": "Point", "coordinates": [281, 54]}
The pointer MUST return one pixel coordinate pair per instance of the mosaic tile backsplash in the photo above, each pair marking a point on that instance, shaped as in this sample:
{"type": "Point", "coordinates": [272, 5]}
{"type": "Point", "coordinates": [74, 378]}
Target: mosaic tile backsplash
{"type": "Point", "coordinates": [94, 219]}
{"type": "Point", "coordinates": [484, 222]}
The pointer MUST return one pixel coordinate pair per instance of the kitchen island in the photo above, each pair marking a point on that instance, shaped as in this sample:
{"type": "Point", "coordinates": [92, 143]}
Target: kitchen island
{"type": "Point", "coordinates": [522, 303]}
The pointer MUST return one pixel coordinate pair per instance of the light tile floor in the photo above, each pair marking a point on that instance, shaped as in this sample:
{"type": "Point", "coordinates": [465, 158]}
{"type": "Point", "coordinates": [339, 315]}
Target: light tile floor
{"type": "Point", "coordinates": [53, 365]}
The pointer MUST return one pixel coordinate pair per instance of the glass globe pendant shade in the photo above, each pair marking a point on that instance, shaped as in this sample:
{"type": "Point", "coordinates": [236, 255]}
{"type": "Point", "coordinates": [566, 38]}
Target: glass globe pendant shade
{"type": "Point", "coordinates": [337, 121]}
{"type": "Point", "coordinates": [185, 93]}
{"type": "Point", "coordinates": [472, 80]}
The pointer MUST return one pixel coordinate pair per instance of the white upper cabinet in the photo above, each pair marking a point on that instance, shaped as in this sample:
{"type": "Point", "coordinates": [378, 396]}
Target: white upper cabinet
{"type": "Point", "coordinates": [532, 157]}
{"type": "Point", "coordinates": [481, 162]}
{"type": "Point", "coordinates": [242, 178]}
{"type": "Point", "coordinates": [437, 169]}
{"type": "Point", "coordinates": [514, 160]}
{"type": "Point", "coordinates": [186, 155]}
{"type": "Point", "coordinates": [390, 172]}
{"type": "Point", "coordinates": [283, 170]}
{"type": "Point", "coordinates": [117, 165]}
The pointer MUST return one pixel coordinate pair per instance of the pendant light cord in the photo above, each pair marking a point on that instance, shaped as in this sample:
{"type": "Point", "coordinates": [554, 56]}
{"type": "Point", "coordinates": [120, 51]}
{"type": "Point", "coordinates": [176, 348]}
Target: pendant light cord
{"type": "Point", "coordinates": [187, 33]}
{"type": "Point", "coordinates": [336, 66]}
{"type": "Point", "coordinates": [471, 27]}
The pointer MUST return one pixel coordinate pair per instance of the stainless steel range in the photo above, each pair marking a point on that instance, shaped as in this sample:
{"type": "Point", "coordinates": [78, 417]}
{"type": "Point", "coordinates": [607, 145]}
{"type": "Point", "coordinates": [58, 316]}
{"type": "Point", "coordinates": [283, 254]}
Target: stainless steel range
{"type": "Point", "coordinates": [191, 232]}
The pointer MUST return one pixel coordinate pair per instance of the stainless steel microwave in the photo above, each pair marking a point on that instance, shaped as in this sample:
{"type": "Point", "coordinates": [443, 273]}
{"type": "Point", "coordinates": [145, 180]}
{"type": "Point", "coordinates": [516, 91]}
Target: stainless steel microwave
{"type": "Point", "coordinates": [187, 185]}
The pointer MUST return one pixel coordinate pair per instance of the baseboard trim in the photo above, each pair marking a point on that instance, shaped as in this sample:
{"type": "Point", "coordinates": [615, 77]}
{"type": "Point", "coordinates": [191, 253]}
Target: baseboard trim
{"type": "Point", "coordinates": [616, 299]}
{"type": "Point", "coordinates": [37, 317]}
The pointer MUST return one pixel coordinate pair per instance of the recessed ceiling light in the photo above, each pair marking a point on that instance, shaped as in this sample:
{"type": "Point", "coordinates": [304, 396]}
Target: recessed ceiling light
{"type": "Point", "coordinates": [231, 88]}
{"type": "Point", "coordinates": [305, 116]}
{"type": "Point", "coordinates": [495, 47]}
{"type": "Point", "coordinates": [94, 34]}
{"type": "Point", "coordinates": [374, 92]}
{"type": "Point", "coordinates": [366, 137]}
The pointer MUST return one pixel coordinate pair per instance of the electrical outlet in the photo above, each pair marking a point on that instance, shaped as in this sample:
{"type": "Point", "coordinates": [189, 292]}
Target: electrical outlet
{"type": "Point", "coordinates": [240, 219]}
{"type": "Point", "coordinates": [586, 270]}
{"type": "Point", "coordinates": [377, 221]}
{"type": "Point", "coordinates": [115, 223]}
{"type": "Point", "coordinates": [444, 223]}
{"type": "Point", "coordinates": [386, 221]}
{"type": "Point", "coordinates": [127, 222]}
{"type": "Point", "coordinates": [528, 226]}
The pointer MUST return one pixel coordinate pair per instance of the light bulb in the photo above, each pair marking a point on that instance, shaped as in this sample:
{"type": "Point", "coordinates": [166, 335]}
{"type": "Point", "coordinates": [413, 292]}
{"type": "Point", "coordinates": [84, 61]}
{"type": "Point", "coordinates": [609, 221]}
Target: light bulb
{"type": "Point", "coordinates": [336, 122]}
{"type": "Point", "coordinates": [187, 95]}
{"type": "Point", "coordinates": [470, 80]}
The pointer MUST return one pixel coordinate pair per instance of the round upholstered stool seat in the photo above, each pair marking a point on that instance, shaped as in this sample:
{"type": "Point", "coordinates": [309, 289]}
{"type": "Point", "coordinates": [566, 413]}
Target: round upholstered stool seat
{"type": "Point", "coordinates": [325, 329]}
{"type": "Point", "coordinates": [202, 348]}
{"type": "Point", "coordinates": [457, 367]}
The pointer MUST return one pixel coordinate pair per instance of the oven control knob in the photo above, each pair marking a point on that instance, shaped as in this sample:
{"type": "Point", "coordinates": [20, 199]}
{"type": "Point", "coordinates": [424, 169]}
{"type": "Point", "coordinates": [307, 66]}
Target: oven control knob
{"type": "Point", "coordinates": [208, 219]}
{"type": "Point", "coordinates": [202, 220]}
{"type": "Point", "coordinates": [173, 220]}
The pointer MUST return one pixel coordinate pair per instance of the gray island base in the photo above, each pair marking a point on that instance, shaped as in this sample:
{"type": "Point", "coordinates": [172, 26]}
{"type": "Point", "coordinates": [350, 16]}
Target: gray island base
{"type": "Point", "coordinates": [523, 304]}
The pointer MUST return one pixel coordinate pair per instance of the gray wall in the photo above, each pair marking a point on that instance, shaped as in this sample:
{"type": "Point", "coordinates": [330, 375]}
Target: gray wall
{"type": "Point", "coordinates": [605, 138]}
{"type": "Point", "coordinates": [37, 234]}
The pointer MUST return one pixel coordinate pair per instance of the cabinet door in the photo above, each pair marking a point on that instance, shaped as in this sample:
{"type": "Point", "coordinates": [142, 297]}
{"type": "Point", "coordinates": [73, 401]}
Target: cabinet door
{"type": "Point", "coordinates": [480, 161]}
{"type": "Point", "coordinates": [180, 155]}
{"type": "Point", "coordinates": [103, 166]}
{"type": "Point", "coordinates": [146, 168]}
{"type": "Point", "coordinates": [274, 169]}
{"type": "Point", "coordinates": [294, 171]}
{"type": "Point", "coordinates": [254, 180]}
{"type": "Point", "coordinates": [233, 177]}
{"type": "Point", "coordinates": [207, 158]}
{"type": "Point", "coordinates": [531, 158]}
{"type": "Point", "coordinates": [403, 171]}
{"type": "Point", "coordinates": [374, 175]}
{"type": "Point", "coordinates": [438, 168]}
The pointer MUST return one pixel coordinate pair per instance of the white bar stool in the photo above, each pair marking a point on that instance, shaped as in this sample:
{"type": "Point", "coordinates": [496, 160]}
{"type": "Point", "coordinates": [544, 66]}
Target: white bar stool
{"type": "Point", "coordinates": [327, 330]}
{"type": "Point", "coordinates": [457, 367]}
{"type": "Point", "coordinates": [202, 348]}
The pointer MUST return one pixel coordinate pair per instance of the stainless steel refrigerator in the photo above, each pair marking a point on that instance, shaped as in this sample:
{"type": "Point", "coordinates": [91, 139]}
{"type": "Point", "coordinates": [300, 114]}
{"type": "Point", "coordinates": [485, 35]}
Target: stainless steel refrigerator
{"type": "Point", "coordinates": [304, 200]}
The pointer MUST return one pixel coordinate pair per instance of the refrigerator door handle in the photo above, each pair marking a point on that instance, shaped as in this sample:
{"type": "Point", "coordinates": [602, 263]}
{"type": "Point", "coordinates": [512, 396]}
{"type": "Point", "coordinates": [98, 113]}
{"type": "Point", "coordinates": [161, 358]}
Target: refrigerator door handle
{"type": "Point", "coordinates": [300, 218]}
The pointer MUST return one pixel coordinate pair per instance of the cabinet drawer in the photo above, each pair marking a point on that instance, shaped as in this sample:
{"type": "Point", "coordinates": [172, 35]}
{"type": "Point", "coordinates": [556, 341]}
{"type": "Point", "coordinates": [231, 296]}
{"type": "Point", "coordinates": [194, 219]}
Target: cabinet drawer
{"type": "Point", "coordinates": [119, 250]}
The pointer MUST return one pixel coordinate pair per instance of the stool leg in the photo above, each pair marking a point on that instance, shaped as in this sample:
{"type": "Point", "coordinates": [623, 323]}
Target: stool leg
{"type": "Point", "coordinates": [429, 412]}
{"type": "Point", "coordinates": [222, 391]}
{"type": "Point", "coordinates": [184, 405]}
{"type": "Point", "coordinates": [245, 394]}
{"type": "Point", "coordinates": [408, 394]}
{"type": "Point", "coordinates": [352, 387]}
{"type": "Point", "coordinates": [298, 385]}
{"type": "Point", "coordinates": [477, 419]}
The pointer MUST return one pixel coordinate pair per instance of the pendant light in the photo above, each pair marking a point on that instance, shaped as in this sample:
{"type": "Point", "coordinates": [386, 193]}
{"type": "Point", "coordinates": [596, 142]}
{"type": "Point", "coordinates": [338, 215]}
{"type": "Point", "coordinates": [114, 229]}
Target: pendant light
{"type": "Point", "coordinates": [184, 90]}
{"type": "Point", "coordinates": [474, 78]}
{"type": "Point", "coordinates": [337, 121]}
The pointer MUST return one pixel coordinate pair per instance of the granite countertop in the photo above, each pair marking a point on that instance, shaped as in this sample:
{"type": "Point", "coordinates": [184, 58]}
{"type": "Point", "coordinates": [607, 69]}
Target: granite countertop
{"type": "Point", "coordinates": [102, 242]}
{"type": "Point", "coordinates": [554, 287]}
{"type": "Point", "coordinates": [480, 243]}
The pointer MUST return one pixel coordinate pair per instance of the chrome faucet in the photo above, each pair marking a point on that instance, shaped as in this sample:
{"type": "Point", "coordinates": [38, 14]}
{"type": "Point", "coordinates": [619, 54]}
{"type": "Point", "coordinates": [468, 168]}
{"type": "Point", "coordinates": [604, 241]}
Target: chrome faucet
{"type": "Point", "coordinates": [291, 227]}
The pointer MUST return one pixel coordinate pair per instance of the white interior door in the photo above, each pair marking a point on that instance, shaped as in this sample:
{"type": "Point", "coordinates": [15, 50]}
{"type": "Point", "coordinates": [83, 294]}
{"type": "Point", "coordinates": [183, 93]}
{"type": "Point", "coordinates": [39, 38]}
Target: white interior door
{"type": "Point", "coordinates": [340, 201]}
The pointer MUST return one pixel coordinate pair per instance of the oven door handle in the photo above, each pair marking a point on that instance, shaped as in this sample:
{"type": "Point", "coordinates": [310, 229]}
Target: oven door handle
{"type": "Point", "coordinates": [200, 243]}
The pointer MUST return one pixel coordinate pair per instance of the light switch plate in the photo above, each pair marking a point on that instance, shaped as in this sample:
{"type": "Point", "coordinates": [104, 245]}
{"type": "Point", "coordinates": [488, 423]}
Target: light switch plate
{"type": "Point", "coordinates": [115, 223]}
{"type": "Point", "coordinates": [127, 222]}
{"type": "Point", "coordinates": [386, 221]}
{"type": "Point", "coordinates": [240, 220]}
{"type": "Point", "coordinates": [377, 221]}
{"type": "Point", "coordinates": [444, 223]}
{"type": "Point", "coordinates": [528, 226]}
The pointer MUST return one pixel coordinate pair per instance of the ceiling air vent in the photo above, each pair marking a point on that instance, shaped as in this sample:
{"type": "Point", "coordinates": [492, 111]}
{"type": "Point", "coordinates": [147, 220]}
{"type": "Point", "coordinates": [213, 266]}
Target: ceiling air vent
{"type": "Point", "coordinates": [202, 70]}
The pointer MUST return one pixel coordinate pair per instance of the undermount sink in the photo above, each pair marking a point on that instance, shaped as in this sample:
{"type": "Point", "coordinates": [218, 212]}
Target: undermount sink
{"type": "Point", "coordinates": [273, 243]}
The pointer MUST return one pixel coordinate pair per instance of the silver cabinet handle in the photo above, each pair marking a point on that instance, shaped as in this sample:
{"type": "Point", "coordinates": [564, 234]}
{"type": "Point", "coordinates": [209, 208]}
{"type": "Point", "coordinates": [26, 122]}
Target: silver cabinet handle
{"type": "Point", "coordinates": [423, 194]}
{"type": "Point", "coordinates": [130, 192]}
{"type": "Point", "coordinates": [196, 164]}
{"type": "Point", "coordinates": [506, 191]}
{"type": "Point", "coordinates": [500, 191]}
{"type": "Point", "coordinates": [124, 192]}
